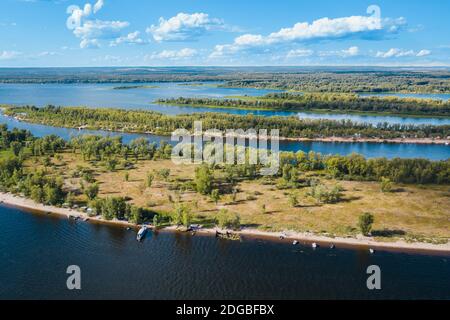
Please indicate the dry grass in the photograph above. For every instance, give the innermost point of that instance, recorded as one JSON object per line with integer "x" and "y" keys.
{"x": 411, "y": 211}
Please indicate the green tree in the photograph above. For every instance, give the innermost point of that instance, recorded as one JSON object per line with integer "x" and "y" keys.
{"x": 16, "y": 147}
{"x": 155, "y": 221}
{"x": 91, "y": 191}
{"x": 136, "y": 215}
{"x": 293, "y": 200}
{"x": 365, "y": 223}
{"x": 186, "y": 217}
{"x": 215, "y": 196}
{"x": 227, "y": 220}
{"x": 203, "y": 180}
{"x": 386, "y": 185}
{"x": 37, "y": 194}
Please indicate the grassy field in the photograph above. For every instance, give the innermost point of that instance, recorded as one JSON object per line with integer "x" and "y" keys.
{"x": 411, "y": 212}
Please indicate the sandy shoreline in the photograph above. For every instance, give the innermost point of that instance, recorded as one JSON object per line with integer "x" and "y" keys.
{"x": 400, "y": 245}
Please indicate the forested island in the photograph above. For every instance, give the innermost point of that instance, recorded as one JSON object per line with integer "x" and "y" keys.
{"x": 336, "y": 102}
{"x": 136, "y": 182}
{"x": 157, "y": 123}
{"x": 304, "y": 79}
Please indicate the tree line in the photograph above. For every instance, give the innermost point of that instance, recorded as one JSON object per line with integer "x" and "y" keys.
{"x": 342, "y": 102}
{"x": 157, "y": 123}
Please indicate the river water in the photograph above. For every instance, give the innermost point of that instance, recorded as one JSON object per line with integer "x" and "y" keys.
{"x": 36, "y": 250}
{"x": 104, "y": 95}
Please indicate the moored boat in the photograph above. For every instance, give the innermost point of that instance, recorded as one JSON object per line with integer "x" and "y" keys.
{"x": 141, "y": 233}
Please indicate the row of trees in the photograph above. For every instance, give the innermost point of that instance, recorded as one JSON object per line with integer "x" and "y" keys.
{"x": 356, "y": 167}
{"x": 145, "y": 121}
{"x": 324, "y": 101}
{"x": 347, "y": 81}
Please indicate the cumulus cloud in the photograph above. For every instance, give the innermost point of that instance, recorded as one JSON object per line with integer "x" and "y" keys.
{"x": 90, "y": 31}
{"x": 184, "y": 27}
{"x": 423, "y": 53}
{"x": 364, "y": 27}
{"x": 399, "y": 53}
{"x": 345, "y": 53}
{"x": 174, "y": 54}
{"x": 131, "y": 38}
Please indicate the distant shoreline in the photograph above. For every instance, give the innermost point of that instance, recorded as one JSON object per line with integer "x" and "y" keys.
{"x": 311, "y": 111}
{"x": 359, "y": 242}
{"x": 297, "y": 139}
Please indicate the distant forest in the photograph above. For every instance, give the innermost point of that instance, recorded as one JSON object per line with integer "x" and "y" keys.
{"x": 345, "y": 102}
{"x": 305, "y": 79}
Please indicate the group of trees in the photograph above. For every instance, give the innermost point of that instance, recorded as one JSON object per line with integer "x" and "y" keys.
{"x": 343, "y": 102}
{"x": 147, "y": 121}
{"x": 117, "y": 208}
{"x": 356, "y": 167}
{"x": 348, "y": 81}
{"x": 110, "y": 149}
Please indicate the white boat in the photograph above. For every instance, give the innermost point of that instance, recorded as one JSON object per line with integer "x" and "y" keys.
{"x": 314, "y": 245}
{"x": 295, "y": 242}
{"x": 141, "y": 233}
{"x": 371, "y": 251}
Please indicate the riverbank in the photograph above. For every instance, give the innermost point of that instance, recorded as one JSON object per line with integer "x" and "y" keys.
{"x": 358, "y": 242}
{"x": 333, "y": 139}
{"x": 301, "y": 110}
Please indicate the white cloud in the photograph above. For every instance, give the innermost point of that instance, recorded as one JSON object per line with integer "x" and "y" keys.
{"x": 48, "y": 54}
{"x": 423, "y": 53}
{"x": 89, "y": 43}
{"x": 300, "y": 53}
{"x": 7, "y": 55}
{"x": 131, "y": 38}
{"x": 91, "y": 31}
{"x": 365, "y": 27}
{"x": 399, "y": 53}
{"x": 174, "y": 54}
{"x": 98, "y": 5}
{"x": 345, "y": 53}
{"x": 183, "y": 27}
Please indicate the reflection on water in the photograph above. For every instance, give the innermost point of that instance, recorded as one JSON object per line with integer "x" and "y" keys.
{"x": 370, "y": 150}
{"x": 103, "y": 95}
{"x": 37, "y": 248}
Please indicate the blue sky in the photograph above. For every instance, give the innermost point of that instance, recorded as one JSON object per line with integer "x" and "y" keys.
{"x": 215, "y": 32}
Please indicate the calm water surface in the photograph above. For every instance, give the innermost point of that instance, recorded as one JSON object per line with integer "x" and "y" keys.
{"x": 369, "y": 150}
{"x": 103, "y": 95}
{"x": 36, "y": 249}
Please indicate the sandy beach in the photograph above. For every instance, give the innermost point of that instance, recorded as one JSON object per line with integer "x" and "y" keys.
{"x": 400, "y": 245}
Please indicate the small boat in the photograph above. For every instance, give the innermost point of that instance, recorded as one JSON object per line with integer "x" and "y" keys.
{"x": 332, "y": 246}
{"x": 282, "y": 236}
{"x": 128, "y": 228}
{"x": 295, "y": 242}
{"x": 371, "y": 251}
{"x": 314, "y": 245}
{"x": 141, "y": 233}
